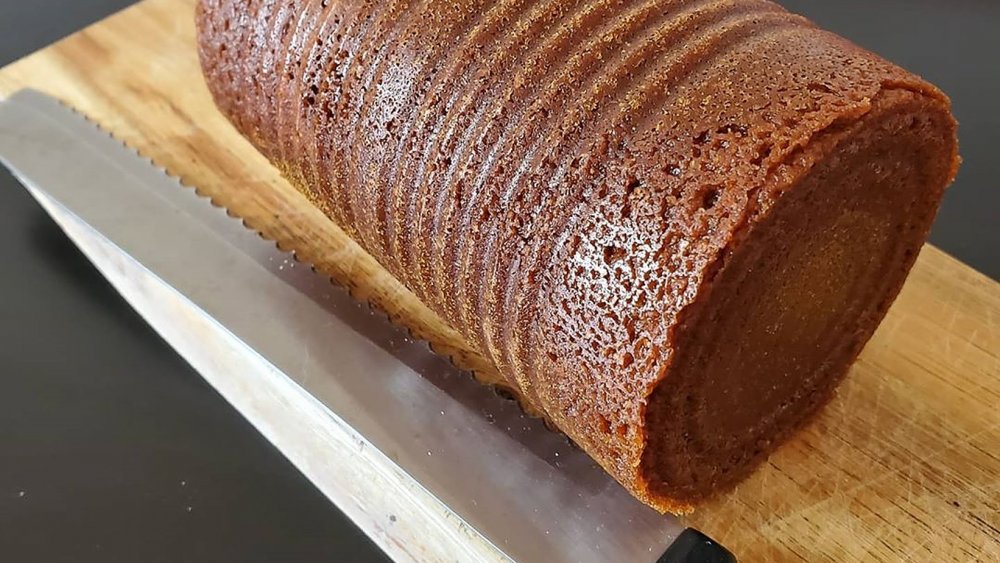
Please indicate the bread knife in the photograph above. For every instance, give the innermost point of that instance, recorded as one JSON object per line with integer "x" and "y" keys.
{"x": 427, "y": 462}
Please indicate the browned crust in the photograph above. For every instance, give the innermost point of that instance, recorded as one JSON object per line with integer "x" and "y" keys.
{"x": 560, "y": 181}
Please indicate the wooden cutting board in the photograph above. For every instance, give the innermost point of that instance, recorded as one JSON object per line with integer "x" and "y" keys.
{"x": 903, "y": 465}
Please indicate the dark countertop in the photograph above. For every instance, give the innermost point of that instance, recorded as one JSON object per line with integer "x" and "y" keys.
{"x": 113, "y": 449}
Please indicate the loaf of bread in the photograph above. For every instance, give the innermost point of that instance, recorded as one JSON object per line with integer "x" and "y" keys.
{"x": 671, "y": 224}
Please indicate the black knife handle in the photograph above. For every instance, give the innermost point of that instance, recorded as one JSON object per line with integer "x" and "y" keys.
{"x": 693, "y": 546}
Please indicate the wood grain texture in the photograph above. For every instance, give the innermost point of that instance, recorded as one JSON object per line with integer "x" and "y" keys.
{"x": 903, "y": 465}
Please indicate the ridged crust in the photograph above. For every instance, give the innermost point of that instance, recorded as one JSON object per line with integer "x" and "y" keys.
{"x": 561, "y": 180}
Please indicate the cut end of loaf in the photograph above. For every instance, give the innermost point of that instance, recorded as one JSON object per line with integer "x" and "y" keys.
{"x": 796, "y": 297}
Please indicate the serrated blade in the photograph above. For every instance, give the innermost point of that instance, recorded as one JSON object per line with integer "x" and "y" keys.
{"x": 426, "y": 461}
